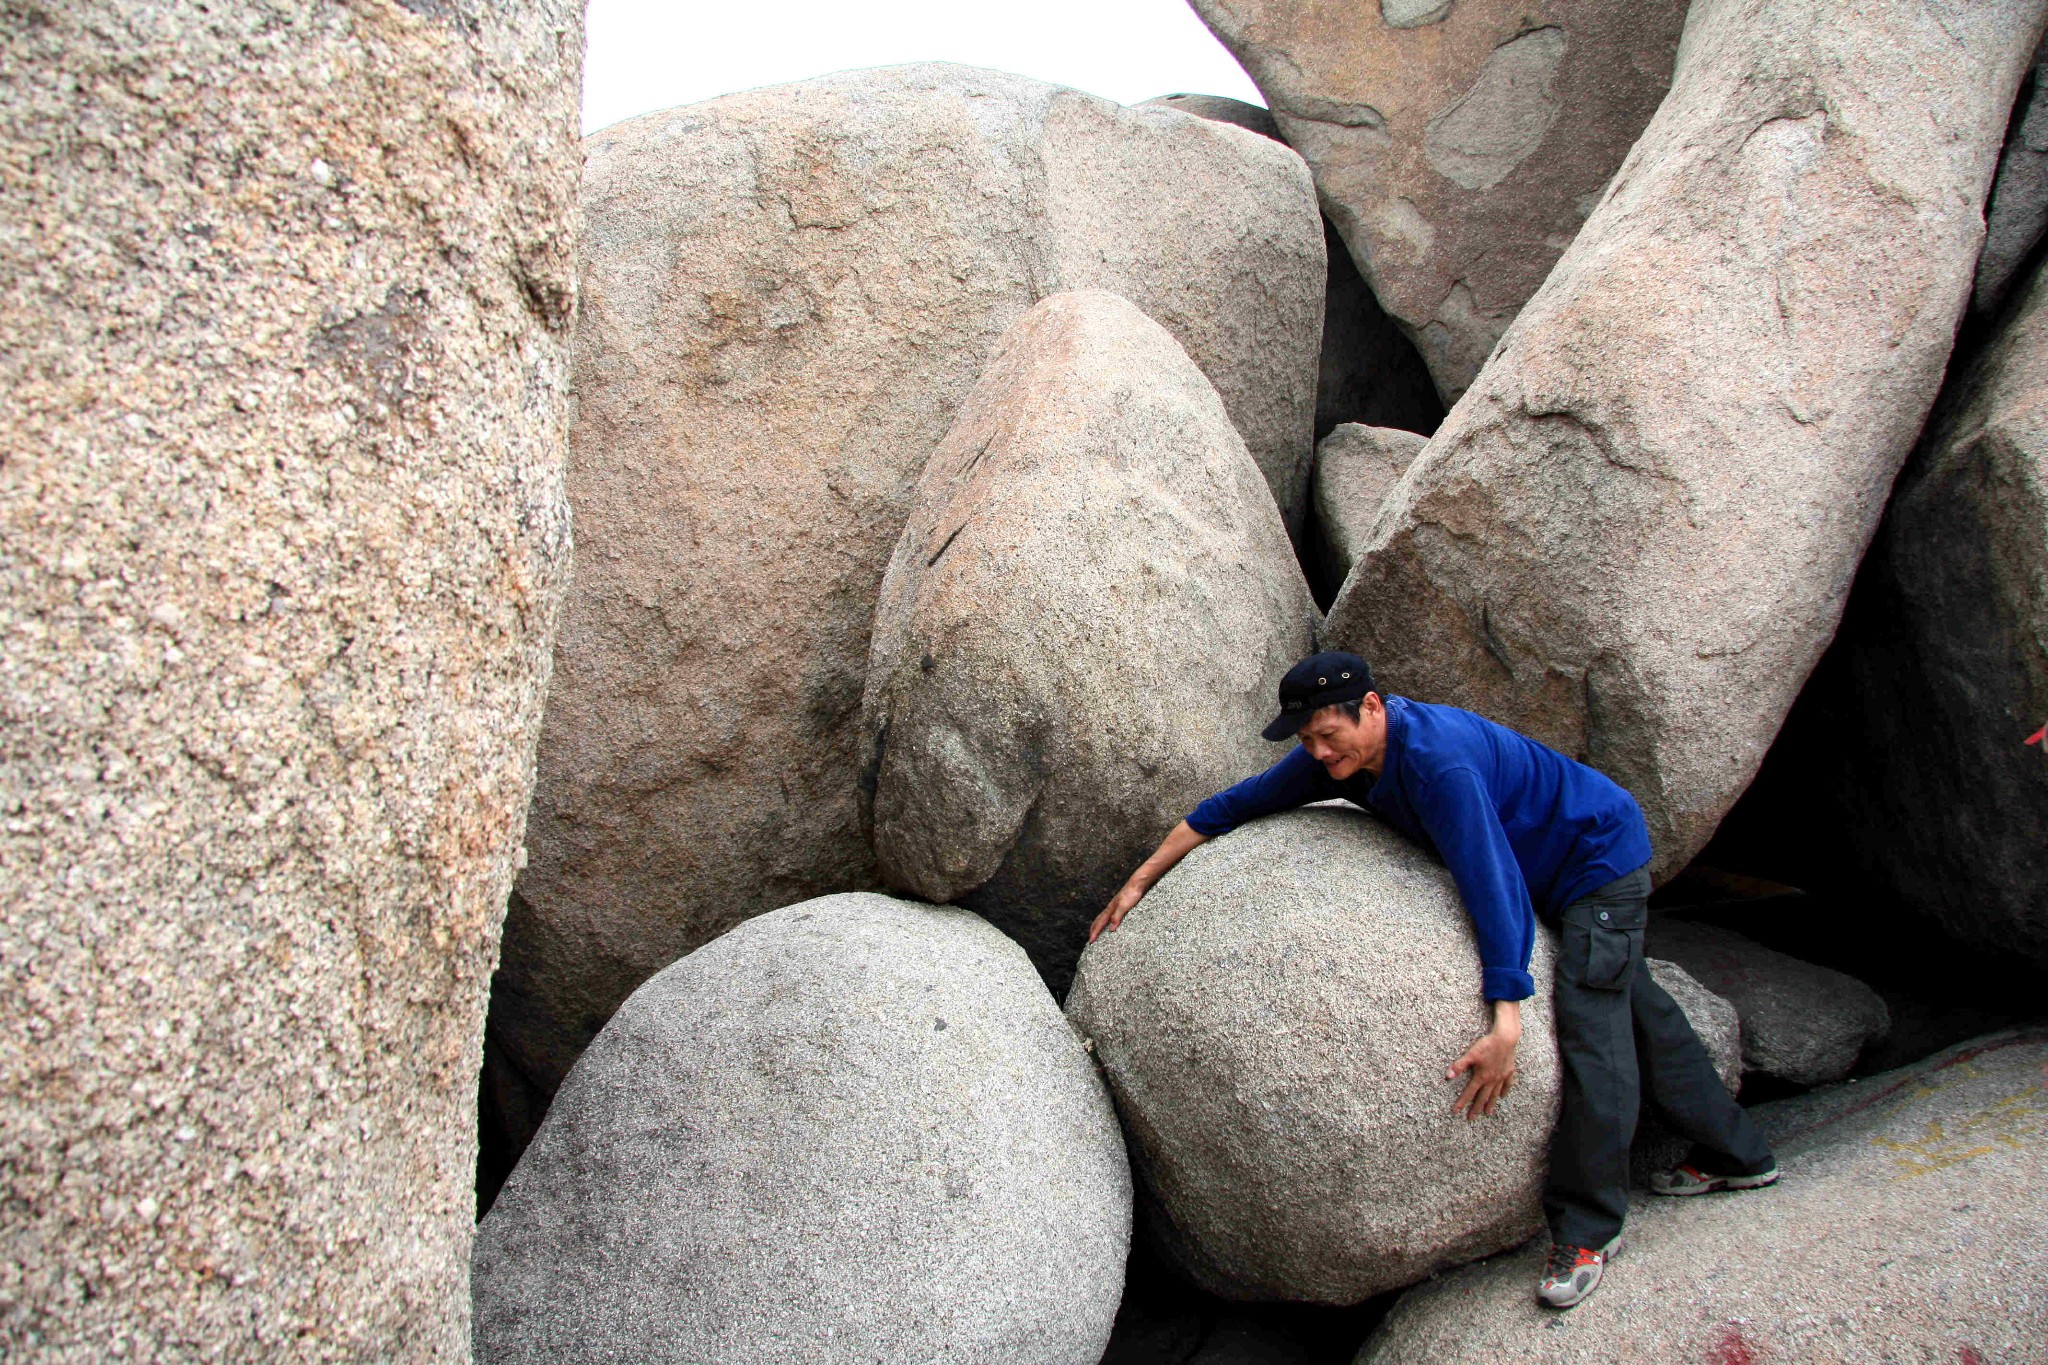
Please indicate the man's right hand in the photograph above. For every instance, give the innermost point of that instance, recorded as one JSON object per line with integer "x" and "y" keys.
{"x": 1172, "y": 850}
{"x": 1113, "y": 914}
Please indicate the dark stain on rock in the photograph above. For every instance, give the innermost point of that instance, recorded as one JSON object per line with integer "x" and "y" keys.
{"x": 384, "y": 352}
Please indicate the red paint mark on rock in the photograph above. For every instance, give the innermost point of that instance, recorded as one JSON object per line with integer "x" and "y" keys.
{"x": 1970, "y": 1355}
{"x": 1731, "y": 1348}
{"x": 2039, "y": 736}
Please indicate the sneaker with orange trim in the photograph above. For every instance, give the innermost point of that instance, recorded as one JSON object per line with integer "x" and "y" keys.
{"x": 1573, "y": 1273}
{"x": 1689, "y": 1179}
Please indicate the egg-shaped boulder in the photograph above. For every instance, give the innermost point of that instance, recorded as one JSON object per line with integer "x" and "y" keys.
{"x": 1275, "y": 1019}
{"x": 1081, "y": 630}
{"x": 852, "y": 1129}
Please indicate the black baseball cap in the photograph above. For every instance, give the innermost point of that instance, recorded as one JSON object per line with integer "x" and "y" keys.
{"x": 1319, "y": 680}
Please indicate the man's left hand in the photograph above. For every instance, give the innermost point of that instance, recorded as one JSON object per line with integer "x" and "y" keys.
{"x": 1488, "y": 1066}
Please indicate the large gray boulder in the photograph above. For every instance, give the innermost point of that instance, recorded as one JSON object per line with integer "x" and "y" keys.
{"x": 1800, "y": 1022}
{"x": 1275, "y": 1019}
{"x": 2017, "y": 213}
{"x": 854, "y": 1129}
{"x": 1356, "y": 467}
{"x": 1633, "y": 537}
{"x": 786, "y": 293}
{"x": 286, "y": 289}
{"x": 1457, "y": 147}
{"x": 1907, "y": 1227}
{"x": 1943, "y": 670}
{"x": 1081, "y": 631}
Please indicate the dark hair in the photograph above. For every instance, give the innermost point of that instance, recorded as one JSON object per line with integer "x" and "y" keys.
{"x": 1350, "y": 708}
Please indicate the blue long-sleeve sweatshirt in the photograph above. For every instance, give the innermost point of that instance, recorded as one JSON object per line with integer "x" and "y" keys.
{"x": 1519, "y": 825}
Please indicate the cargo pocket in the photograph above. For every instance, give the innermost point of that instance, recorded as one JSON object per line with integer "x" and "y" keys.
{"x": 1612, "y": 946}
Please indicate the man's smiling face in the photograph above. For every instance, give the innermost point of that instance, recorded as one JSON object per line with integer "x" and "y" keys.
{"x": 1346, "y": 747}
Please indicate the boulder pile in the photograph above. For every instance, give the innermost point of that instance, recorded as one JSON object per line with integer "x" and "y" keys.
{"x": 786, "y": 294}
{"x": 944, "y": 470}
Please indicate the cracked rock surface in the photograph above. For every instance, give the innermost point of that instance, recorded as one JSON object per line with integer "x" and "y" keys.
{"x": 1457, "y": 144}
{"x": 286, "y": 289}
{"x": 1633, "y": 537}
{"x": 1081, "y": 631}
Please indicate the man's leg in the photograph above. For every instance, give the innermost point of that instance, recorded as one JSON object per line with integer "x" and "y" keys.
{"x": 1600, "y": 956}
{"x": 1682, "y": 1081}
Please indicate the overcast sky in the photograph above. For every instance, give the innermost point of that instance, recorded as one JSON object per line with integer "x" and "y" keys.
{"x": 655, "y": 54}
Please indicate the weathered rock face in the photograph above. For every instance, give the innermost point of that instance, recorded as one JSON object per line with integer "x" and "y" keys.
{"x": 1944, "y": 661}
{"x": 1261, "y": 1030}
{"x": 2018, "y": 212}
{"x": 1634, "y": 536}
{"x": 282, "y": 543}
{"x": 1092, "y": 512}
{"x": 1356, "y": 467}
{"x": 1907, "y": 1227}
{"x": 787, "y": 293}
{"x": 855, "y": 1125}
{"x": 1800, "y": 1022}
{"x": 1458, "y": 147}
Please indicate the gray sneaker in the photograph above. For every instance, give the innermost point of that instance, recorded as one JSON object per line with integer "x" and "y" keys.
{"x": 1573, "y": 1273}
{"x": 1683, "y": 1180}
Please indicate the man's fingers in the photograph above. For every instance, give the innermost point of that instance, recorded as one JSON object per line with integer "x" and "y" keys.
{"x": 1465, "y": 1101}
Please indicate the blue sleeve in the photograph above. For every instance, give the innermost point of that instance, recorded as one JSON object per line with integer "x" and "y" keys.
{"x": 1294, "y": 781}
{"x": 1461, "y": 821}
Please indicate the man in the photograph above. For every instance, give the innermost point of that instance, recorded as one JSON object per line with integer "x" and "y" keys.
{"x": 1523, "y": 830}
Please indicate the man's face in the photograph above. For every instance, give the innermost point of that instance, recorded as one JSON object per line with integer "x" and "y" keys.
{"x": 1345, "y": 746}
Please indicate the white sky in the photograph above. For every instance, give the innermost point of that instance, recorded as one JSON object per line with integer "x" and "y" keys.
{"x": 655, "y": 54}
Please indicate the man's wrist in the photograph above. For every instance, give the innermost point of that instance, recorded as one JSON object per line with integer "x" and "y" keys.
{"x": 1507, "y": 1019}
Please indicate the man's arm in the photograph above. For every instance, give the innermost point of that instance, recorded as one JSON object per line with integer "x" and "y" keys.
{"x": 1176, "y": 846}
{"x": 1294, "y": 781}
{"x": 1458, "y": 813}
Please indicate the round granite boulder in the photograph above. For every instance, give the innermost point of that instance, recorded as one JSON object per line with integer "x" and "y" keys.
{"x": 1275, "y": 1019}
{"x": 853, "y": 1129}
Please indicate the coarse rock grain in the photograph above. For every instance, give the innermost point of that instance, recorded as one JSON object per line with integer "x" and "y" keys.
{"x": 1457, "y": 147}
{"x": 1800, "y": 1022}
{"x": 286, "y": 290}
{"x": 854, "y": 1129}
{"x": 786, "y": 294}
{"x": 1082, "y": 629}
{"x": 1275, "y": 1019}
{"x": 1633, "y": 538}
{"x": 1907, "y": 1226}
{"x": 2017, "y": 214}
{"x": 1356, "y": 467}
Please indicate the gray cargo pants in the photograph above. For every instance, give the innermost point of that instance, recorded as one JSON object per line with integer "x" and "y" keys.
{"x": 1619, "y": 1036}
